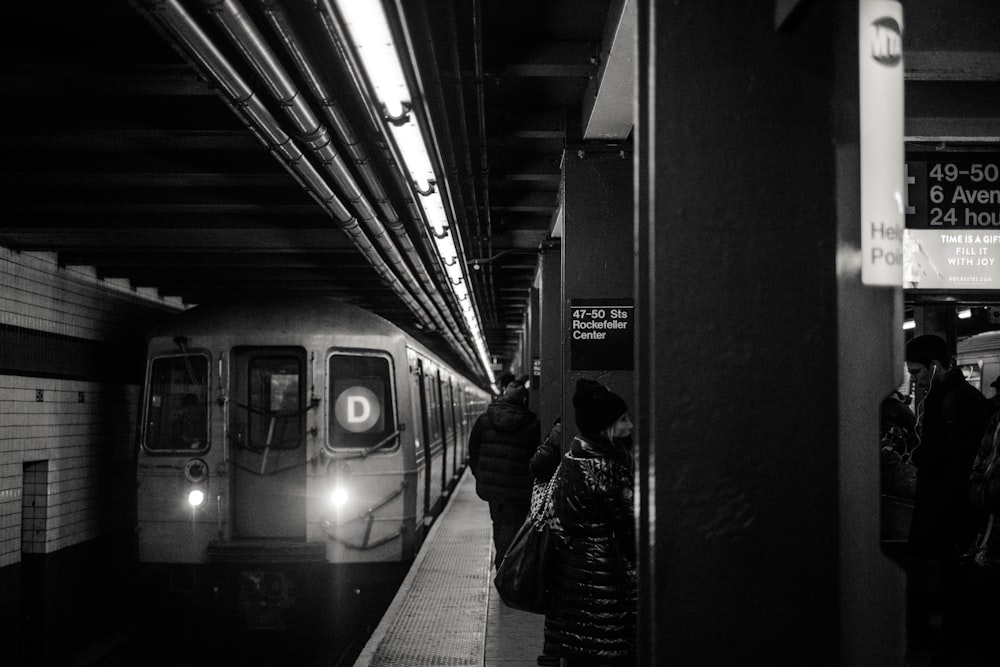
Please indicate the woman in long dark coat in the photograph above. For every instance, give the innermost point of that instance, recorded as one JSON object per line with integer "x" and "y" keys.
{"x": 592, "y": 592}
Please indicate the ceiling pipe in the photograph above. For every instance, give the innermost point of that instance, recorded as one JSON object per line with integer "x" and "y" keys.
{"x": 469, "y": 175}
{"x": 484, "y": 161}
{"x": 172, "y": 17}
{"x": 241, "y": 31}
{"x": 278, "y": 20}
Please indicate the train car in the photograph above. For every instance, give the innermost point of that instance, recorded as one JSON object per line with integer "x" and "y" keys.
{"x": 291, "y": 452}
{"x": 979, "y": 358}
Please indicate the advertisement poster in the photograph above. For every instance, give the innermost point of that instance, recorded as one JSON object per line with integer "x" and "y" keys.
{"x": 952, "y": 237}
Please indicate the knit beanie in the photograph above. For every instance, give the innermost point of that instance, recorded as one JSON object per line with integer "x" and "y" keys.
{"x": 515, "y": 392}
{"x": 596, "y": 407}
{"x": 927, "y": 348}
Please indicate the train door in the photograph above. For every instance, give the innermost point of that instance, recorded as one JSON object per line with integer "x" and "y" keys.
{"x": 267, "y": 434}
{"x": 436, "y": 431}
{"x": 442, "y": 386}
{"x": 425, "y": 440}
{"x": 452, "y": 428}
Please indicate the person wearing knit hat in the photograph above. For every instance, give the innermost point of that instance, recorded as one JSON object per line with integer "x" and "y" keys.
{"x": 951, "y": 419}
{"x": 591, "y": 618}
{"x": 596, "y": 407}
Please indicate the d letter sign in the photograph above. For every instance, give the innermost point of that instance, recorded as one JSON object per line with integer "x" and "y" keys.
{"x": 883, "y": 176}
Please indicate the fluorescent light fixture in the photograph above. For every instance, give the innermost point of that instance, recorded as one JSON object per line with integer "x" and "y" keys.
{"x": 964, "y": 314}
{"x": 909, "y": 324}
{"x": 366, "y": 22}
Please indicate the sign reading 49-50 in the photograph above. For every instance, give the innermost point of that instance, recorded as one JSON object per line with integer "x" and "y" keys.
{"x": 953, "y": 224}
{"x": 601, "y": 333}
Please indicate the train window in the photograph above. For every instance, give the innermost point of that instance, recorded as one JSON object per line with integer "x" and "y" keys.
{"x": 177, "y": 404}
{"x": 361, "y": 413}
{"x": 274, "y": 396}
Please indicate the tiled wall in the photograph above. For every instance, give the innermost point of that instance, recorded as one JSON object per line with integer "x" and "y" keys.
{"x": 75, "y": 436}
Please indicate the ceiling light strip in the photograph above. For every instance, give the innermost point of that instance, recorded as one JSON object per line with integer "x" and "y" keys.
{"x": 372, "y": 42}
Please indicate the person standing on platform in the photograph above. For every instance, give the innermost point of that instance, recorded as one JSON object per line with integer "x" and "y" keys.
{"x": 543, "y": 465}
{"x": 983, "y": 570}
{"x": 591, "y": 618}
{"x": 501, "y": 443}
{"x": 951, "y": 419}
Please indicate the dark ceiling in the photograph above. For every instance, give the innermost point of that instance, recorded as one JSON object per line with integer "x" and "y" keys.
{"x": 215, "y": 148}
{"x": 134, "y": 143}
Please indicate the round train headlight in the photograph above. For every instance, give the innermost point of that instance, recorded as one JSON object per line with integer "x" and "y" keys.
{"x": 339, "y": 497}
{"x": 196, "y": 497}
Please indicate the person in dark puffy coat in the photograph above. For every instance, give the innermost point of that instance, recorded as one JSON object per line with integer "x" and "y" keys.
{"x": 591, "y": 618}
{"x": 982, "y": 575}
{"x": 501, "y": 443}
{"x": 951, "y": 419}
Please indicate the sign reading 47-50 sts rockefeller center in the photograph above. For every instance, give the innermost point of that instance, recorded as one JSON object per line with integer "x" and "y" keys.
{"x": 601, "y": 334}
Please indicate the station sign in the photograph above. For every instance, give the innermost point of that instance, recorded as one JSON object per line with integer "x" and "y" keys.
{"x": 601, "y": 334}
{"x": 880, "y": 70}
{"x": 952, "y": 236}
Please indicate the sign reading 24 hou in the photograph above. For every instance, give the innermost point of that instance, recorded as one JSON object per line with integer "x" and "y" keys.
{"x": 601, "y": 334}
{"x": 880, "y": 70}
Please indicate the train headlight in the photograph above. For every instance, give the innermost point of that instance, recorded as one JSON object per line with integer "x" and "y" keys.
{"x": 196, "y": 472}
{"x": 196, "y": 497}
{"x": 339, "y": 497}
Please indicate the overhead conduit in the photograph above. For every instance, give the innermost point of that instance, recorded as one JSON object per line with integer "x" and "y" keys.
{"x": 235, "y": 23}
{"x": 175, "y": 19}
{"x": 278, "y": 19}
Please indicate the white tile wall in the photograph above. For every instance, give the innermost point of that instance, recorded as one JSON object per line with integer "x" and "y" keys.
{"x": 86, "y": 447}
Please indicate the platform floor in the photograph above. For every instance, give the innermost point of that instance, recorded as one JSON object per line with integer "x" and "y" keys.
{"x": 447, "y": 611}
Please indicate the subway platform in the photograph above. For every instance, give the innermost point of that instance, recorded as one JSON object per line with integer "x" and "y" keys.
{"x": 447, "y": 611}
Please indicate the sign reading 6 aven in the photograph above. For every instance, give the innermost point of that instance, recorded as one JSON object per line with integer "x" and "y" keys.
{"x": 952, "y": 235}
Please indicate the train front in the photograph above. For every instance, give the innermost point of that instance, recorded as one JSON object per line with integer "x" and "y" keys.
{"x": 271, "y": 479}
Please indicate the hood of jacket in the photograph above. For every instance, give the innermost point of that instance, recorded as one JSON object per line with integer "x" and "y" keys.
{"x": 505, "y": 416}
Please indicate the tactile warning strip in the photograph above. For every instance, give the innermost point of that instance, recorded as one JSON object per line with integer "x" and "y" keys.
{"x": 439, "y": 615}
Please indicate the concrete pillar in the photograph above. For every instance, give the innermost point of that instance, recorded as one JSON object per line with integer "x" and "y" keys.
{"x": 597, "y": 279}
{"x": 761, "y": 359}
{"x": 534, "y": 333}
{"x": 550, "y": 381}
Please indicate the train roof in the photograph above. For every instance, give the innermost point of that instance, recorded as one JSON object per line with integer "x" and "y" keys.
{"x": 290, "y": 315}
{"x": 276, "y": 314}
{"x": 988, "y": 341}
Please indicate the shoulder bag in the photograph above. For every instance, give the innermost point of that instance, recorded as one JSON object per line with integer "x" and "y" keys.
{"x": 521, "y": 578}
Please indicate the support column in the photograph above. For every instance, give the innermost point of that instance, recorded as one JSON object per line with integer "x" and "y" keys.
{"x": 550, "y": 382}
{"x": 761, "y": 359}
{"x": 598, "y": 312}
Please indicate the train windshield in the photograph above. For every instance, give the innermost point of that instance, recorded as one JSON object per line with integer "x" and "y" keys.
{"x": 361, "y": 413}
{"x": 275, "y": 402}
{"x": 177, "y": 405}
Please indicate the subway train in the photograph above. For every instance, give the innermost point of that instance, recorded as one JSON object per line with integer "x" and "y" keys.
{"x": 979, "y": 358}
{"x": 291, "y": 452}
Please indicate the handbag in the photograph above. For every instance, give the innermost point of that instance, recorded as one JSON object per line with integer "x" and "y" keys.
{"x": 521, "y": 577}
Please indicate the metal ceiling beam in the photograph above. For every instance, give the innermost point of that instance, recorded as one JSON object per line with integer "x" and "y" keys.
{"x": 610, "y": 100}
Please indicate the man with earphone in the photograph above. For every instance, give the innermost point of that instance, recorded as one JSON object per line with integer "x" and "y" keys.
{"x": 951, "y": 418}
